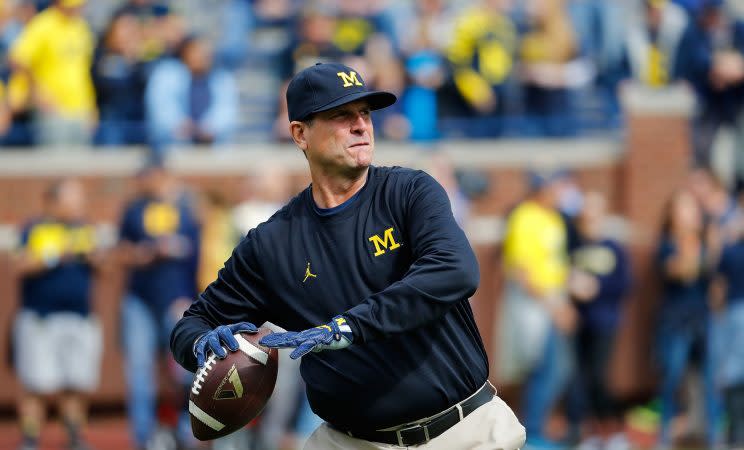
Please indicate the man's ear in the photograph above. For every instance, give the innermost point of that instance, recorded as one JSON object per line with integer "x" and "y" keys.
{"x": 298, "y": 132}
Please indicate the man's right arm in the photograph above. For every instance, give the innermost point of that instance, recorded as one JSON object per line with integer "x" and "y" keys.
{"x": 239, "y": 294}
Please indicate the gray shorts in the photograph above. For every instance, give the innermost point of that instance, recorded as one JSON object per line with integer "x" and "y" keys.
{"x": 59, "y": 351}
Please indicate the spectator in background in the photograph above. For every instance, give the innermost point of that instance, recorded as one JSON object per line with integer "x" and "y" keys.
{"x": 19, "y": 130}
{"x": 53, "y": 55}
{"x": 381, "y": 69}
{"x": 238, "y": 21}
{"x": 653, "y": 42}
{"x": 730, "y": 373}
{"x": 312, "y": 43}
{"x": 683, "y": 323}
{"x": 275, "y": 23}
{"x": 442, "y": 168}
{"x": 599, "y": 281}
{"x": 57, "y": 339}
{"x": 159, "y": 245}
{"x": 188, "y": 100}
{"x": 537, "y": 318}
{"x": 358, "y": 22}
{"x": 719, "y": 206}
{"x": 546, "y": 51}
{"x": 711, "y": 57}
{"x": 161, "y": 30}
{"x": 481, "y": 54}
{"x": 600, "y": 28}
{"x": 427, "y": 33}
{"x": 6, "y": 115}
{"x": 260, "y": 197}
{"x": 119, "y": 78}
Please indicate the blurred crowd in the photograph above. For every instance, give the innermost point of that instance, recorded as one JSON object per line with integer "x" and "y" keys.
{"x": 171, "y": 242}
{"x": 567, "y": 277}
{"x": 567, "y": 281}
{"x": 159, "y": 73}
{"x": 164, "y": 74}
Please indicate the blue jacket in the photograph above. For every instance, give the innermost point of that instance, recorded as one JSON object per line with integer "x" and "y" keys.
{"x": 167, "y": 102}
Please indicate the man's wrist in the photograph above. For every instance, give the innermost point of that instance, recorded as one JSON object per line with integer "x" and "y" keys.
{"x": 193, "y": 346}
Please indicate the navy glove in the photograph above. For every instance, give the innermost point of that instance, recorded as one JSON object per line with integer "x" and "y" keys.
{"x": 334, "y": 335}
{"x": 213, "y": 340}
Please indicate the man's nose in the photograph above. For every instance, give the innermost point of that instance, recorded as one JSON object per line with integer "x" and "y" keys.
{"x": 359, "y": 124}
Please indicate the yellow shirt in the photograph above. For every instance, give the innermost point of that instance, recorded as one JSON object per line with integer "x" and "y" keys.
{"x": 535, "y": 243}
{"x": 484, "y": 42}
{"x": 58, "y": 51}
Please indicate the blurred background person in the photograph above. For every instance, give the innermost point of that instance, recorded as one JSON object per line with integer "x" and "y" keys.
{"x": 57, "y": 338}
{"x": 311, "y": 42}
{"x": 730, "y": 303}
{"x": 442, "y": 168}
{"x": 159, "y": 245}
{"x": 52, "y": 56}
{"x": 190, "y": 101}
{"x": 423, "y": 50}
{"x": 119, "y": 79}
{"x": 711, "y": 58}
{"x": 538, "y": 320}
{"x": 482, "y": 56}
{"x": 545, "y": 53}
{"x": 162, "y": 30}
{"x": 652, "y": 43}
{"x": 260, "y": 196}
{"x": 381, "y": 70}
{"x": 20, "y": 132}
{"x": 598, "y": 284}
{"x": 683, "y": 323}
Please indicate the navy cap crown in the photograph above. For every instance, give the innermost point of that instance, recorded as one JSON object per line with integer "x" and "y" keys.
{"x": 327, "y": 85}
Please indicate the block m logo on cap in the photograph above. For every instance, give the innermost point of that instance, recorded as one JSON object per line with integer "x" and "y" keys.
{"x": 349, "y": 79}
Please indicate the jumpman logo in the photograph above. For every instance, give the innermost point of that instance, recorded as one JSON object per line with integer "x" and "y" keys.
{"x": 308, "y": 274}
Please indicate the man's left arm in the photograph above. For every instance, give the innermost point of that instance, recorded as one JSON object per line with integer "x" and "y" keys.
{"x": 444, "y": 272}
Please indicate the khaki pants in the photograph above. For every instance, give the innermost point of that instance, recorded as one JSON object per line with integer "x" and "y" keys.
{"x": 493, "y": 426}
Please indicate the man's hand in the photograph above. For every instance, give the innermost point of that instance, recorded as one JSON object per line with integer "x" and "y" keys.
{"x": 335, "y": 335}
{"x": 222, "y": 334}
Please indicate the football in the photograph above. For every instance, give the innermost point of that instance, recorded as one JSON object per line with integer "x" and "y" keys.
{"x": 228, "y": 393}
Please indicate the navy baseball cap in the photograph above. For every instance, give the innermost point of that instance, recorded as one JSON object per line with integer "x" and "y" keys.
{"x": 327, "y": 85}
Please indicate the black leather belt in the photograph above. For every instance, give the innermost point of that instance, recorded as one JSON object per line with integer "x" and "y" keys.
{"x": 416, "y": 433}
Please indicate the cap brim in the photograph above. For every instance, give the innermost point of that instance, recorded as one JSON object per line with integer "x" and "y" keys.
{"x": 376, "y": 100}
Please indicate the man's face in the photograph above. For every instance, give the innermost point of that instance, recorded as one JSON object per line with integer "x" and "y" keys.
{"x": 341, "y": 139}
{"x": 69, "y": 203}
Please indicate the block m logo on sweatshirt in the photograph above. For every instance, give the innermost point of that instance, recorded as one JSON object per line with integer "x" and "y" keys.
{"x": 386, "y": 242}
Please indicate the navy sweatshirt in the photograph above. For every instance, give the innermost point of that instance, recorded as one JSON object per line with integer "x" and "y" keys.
{"x": 392, "y": 261}
{"x": 607, "y": 261}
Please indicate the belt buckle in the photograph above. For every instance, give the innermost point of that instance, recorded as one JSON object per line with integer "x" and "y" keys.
{"x": 399, "y": 435}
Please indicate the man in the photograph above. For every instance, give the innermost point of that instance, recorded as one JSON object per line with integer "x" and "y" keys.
{"x": 538, "y": 318}
{"x": 376, "y": 253}
{"x": 159, "y": 244}
{"x": 53, "y": 55}
{"x": 711, "y": 59}
{"x": 55, "y": 266}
